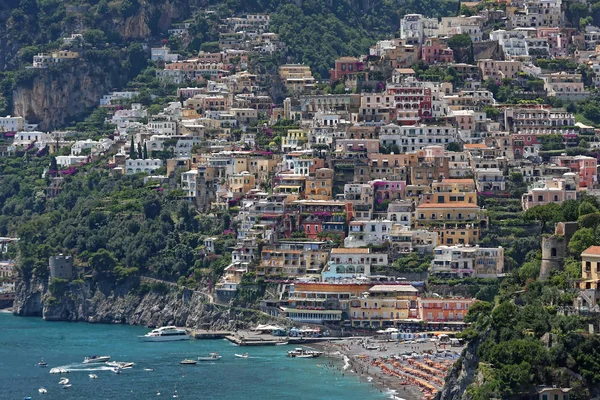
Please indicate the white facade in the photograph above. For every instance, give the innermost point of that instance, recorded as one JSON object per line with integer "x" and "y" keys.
{"x": 415, "y": 28}
{"x": 12, "y": 124}
{"x": 415, "y": 137}
{"x": 163, "y": 127}
{"x": 463, "y": 261}
{"x": 363, "y": 233}
{"x": 107, "y": 99}
{"x": 139, "y": 165}
{"x": 67, "y": 161}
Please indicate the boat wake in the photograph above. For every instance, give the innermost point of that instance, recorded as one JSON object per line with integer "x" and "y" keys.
{"x": 80, "y": 368}
{"x": 392, "y": 394}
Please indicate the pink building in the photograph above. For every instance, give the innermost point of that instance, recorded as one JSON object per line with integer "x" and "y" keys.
{"x": 585, "y": 167}
{"x": 557, "y": 41}
{"x": 555, "y": 190}
{"x": 434, "y": 52}
{"x": 388, "y": 190}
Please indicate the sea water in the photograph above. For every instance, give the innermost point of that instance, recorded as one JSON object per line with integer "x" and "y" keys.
{"x": 266, "y": 374}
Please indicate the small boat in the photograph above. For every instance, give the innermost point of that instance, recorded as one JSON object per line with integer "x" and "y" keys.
{"x": 27, "y": 398}
{"x": 42, "y": 391}
{"x": 211, "y": 357}
{"x": 64, "y": 381}
{"x": 299, "y": 352}
{"x": 93, "y": 376}
{"x": 188, "y": 362}
{"x": 67, "y": 386}
{"x": 149, "y": 369}
{"x": 281, "y": 343}
{"x": 245, "y": 355}
{"x": 122, "y": 365}
{"x": 96, "y": 359}
{"x": 58, "y": 370}
{"x": 42, "y": 363}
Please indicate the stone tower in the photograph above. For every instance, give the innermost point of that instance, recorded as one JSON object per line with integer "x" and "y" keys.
{"x": 554, "y": 247}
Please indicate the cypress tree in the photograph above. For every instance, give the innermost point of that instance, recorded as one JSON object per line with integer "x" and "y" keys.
{"x": 140, "y": 154}
{"x": 132, "y": 150}
{"x": 145, "y": 151}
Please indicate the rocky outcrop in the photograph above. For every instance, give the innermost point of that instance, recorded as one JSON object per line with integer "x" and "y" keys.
{"x": 124, "y": 304}
{"x": 153, "y": 18}
{"x": 463, "y": 373}
{"x": 53, "y": 97}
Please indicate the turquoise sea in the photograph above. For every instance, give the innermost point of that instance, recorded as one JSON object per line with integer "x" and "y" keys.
{"x": 267, "y": 374}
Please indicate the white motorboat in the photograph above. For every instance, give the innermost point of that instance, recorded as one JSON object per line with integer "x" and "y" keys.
{"x": 245, "y": 355}
{"x": 96, "y": 359}
{"x": 93, "y": 376}
{"x": 120, "y": 364}
{"x": 188, "y": 362}
{"x": 211, "y": 357}
{"x": 165, "y": 334}
{"x": 299, "y": 352}
{"x": 42, "y": 391}
{"x": 64, "y": 381}
{"x": 58, "y": 370}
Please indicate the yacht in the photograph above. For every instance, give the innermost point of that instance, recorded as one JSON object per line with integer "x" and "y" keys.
{"x": 96, "y": 359}
{"x": 165, "y": 334}
{"x": 211, "y": 357}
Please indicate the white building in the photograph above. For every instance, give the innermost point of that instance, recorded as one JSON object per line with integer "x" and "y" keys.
{"x": 12, "y": 124}
{"x": 415, "y": 137}
{"x": 139, "y": 165}
{"x": 464, "y": 261}
{"x": 165, "y": 126}
{"x": 350, "y": 263}
{"x": 415, "y": 28}
{"x": 67, "y": 161}
{"x": 108, "y": 99}
{"x": 363, "y": 233}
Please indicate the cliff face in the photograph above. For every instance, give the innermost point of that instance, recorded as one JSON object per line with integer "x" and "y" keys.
{"x": 463, "y": 373}
{"x": 107, "y": 304}
{"x": 153, "y": 18}
{"x": 54, "y": 97}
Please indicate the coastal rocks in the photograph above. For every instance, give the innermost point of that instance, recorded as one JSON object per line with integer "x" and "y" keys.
{"x": 462, "y": 374}
{"x": 28, "y": 298}
{"x": 124, "y": 304}
{"x": 152, "y": 18}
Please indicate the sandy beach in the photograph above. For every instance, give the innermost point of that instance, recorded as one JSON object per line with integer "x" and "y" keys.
{"x": 408, "y": 371}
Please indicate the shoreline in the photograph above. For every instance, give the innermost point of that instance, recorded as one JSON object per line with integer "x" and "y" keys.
{"x": 409, "y": 378}
{"x": 366, "y": 373}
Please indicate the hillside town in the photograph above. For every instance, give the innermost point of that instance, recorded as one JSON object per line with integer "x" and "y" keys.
{"x": 331, "y": 188}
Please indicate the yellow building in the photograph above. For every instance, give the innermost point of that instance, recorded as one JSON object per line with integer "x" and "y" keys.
{"x": 590, "y": 268}
{"x": 451, "y": 191}
{"x": 242, "y": 183}
{"x": 319, "y": 185}
{"x": 292, "y": 261}
{"x": 296, "y": 77}
{"x": 294, "y": 140}
{"x": 455, "y": 223}
{"x": 384, "y": 306}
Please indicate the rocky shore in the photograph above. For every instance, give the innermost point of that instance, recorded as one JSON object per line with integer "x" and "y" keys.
{"x": 127, "y": 304}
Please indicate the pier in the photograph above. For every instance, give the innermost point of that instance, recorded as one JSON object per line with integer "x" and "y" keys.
{"x": 204, "y": 334}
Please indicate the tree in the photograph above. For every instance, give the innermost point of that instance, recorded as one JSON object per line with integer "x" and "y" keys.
{"x": 581, "y": 240}
{"x": 544, "y": 214}
{"x": 145, "y": 151}
{"x": 586, "y": 208}
{"x": 453, "y": 146}
{"x": 95, "y": 37}
{"x": 103, "y": 261}
{"x": 53, "y": 164}
{"x": 139, "y": 150}
{"x": 132, "y": 154}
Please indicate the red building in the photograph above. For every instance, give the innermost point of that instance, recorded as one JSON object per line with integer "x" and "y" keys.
{"x": 434, "y": 52}
{"x": 344, "y": 67}
{"x": 410, "y": 98}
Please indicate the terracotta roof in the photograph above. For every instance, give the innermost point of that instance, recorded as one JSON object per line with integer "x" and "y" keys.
{"x": 591, "y": 251}
{"x": 457, "y": 180}
{"x": 350, "y": 251}
{"x": 448, "y": 205}
{"x": 475, "y": 146}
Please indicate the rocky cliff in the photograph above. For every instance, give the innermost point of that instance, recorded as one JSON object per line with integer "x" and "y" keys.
{"x": 463, "y": 373}
{"x": 124, "y": 304}
{"x": 53, "y": 97}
